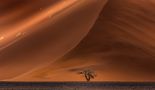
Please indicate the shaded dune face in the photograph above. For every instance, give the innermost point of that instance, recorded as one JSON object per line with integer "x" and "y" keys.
{"x": 34, "y": 33}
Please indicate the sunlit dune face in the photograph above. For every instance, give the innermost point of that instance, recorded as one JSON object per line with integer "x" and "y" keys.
{"x": 35, "y": 33}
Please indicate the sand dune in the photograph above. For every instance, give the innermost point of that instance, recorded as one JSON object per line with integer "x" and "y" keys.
{"x": 119, "y": 47}
{"x": 38, "y": 32}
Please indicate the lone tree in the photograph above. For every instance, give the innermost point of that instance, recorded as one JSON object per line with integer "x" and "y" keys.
{"x": 88, "y": 74}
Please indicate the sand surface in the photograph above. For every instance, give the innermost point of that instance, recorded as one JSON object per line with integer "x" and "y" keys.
{"x": 119, "y": 46}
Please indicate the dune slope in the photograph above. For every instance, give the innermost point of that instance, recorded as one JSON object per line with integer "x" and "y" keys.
{"x": 119, "y": 47}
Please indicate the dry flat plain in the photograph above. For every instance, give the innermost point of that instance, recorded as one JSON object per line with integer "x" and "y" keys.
{"x": 76, "y": 86}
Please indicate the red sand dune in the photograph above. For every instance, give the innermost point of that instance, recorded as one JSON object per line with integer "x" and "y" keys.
{"x": 35, "y": 33}
{"x": 119, "y": 46}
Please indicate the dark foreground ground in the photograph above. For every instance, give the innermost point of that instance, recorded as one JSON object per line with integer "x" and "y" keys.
{"x": 76, "y": 86}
